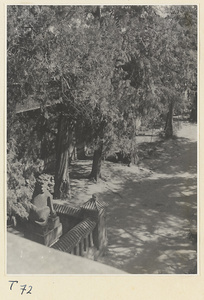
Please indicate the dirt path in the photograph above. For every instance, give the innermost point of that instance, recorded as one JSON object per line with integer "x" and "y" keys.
{"x": 152, "y": 212}
{"x": 152, "y": 224}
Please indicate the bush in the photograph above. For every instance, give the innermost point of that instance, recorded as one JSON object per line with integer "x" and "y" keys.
{"x": 19, "y": 192}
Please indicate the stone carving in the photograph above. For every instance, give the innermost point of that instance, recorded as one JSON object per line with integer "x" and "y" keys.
{"x": 42, "y": 202}
{"x": 44, "y": 225}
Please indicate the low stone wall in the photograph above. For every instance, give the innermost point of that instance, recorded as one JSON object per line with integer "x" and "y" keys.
{"x": 27, "y": 257}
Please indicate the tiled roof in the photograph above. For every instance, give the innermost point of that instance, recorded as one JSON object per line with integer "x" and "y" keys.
{"x": 68, "y": 241}
{"x": 67, "y": 210}
{"x": 94, "y": 204}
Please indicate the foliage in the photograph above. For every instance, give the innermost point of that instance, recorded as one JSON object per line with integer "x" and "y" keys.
{"x": 108, "y": 69}
{"x": 19, "y": 193}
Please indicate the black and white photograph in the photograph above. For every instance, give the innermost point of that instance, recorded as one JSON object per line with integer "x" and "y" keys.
{"x": 102, "y": 136}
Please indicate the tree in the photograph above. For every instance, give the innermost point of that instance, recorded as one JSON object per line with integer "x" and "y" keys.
{"x": 80, "y": 64}
{"x": 59, "y": 56}
{"x": 62, "y": 182}
{"x": 161, "y": 58}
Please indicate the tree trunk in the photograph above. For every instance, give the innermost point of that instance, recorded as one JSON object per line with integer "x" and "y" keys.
{"x": 134, "y": 156}
{"x": 96, "y": 166}
{"x": 71, "y": 146}
{"x": 81, "y": 151}
{"x": 193, "y": 113}
{"x": 62, "y": 181}
{"x": 169, "y": 122}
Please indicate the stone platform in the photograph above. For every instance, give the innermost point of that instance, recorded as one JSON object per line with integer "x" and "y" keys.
{"x": 46, "y": 234}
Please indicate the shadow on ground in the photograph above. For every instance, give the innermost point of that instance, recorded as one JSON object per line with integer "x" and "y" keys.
{"x": 152, "y": 208}
{"x": 151, "y": 232}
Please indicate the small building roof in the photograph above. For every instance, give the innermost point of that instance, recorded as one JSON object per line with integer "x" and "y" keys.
{"x": 94, "y": 204}
{"x": 68, "y": 241}
{"x": 67, "y": 210}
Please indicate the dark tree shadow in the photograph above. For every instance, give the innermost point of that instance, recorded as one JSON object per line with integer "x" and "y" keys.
{"x": 152, "y": 209}
{"x": 152, "y": 225}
